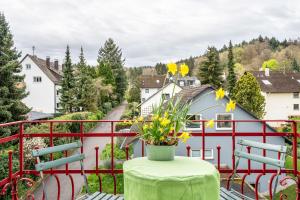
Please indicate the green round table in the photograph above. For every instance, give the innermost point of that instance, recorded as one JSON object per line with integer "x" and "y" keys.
{"x": 184, "y": 178}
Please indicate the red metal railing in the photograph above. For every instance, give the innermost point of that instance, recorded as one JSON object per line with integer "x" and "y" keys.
{"x": 15, "y": 176}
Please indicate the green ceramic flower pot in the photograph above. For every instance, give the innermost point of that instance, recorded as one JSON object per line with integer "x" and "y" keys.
{"x": 160, "y": 153}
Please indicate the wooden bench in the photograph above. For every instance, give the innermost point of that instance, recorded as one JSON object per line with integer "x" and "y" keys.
{"x": 40, "y": 166}
{"x": 232, "y": 194}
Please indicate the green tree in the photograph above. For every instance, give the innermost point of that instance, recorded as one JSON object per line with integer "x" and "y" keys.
{"x": 295, "y": 66}
{"x": 104, "y": 70}
{"x": 248, "y": 94}
{"x": 85, "y": 91}
{"x": 231, "y": 78}
{"x": 161, "y": 68}
{"x": 272, "y": 64}
{"x": 111, "y": 54}
{"x": 12, "y": 87}
{"x": 274, "y": 43}
{"x": 67, "y": 91}
{"x": 210, "y": 71}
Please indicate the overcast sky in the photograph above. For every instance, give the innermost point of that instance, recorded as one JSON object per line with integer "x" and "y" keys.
{"x": 147, "y": 31}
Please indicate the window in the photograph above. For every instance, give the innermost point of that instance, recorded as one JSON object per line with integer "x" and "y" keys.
{"x": 209, "y": 153}
{"x": 57, "y": 92}
{"x": 57, "y": 105}
{"x": 193, "y": 125}
{"x": 296, "y": 95}
{"x": 266, "y": 82}
{"x": 37, "y": 79}
{"x": 28, "y": 66}
{"x": 143, "y": 99}
{"x": 224, "y": 125}
{"x": 296, "y": 106}
{"x": 181, "y": 83}
{"x": 166, "y": 96}
{"x": 147, "y": 90}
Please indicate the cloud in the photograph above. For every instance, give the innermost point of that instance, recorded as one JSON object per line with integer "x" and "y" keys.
{"x": 147, "y": 31}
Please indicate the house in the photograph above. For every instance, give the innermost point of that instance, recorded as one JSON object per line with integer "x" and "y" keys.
{"x": 205, "y": 107}
{"x": 166, "y": 92}
{"x": 188, "y": 81}
{"x": 281, "y": 92}
{"x": 150, "y": 84}
{"x": 42, "y": 79}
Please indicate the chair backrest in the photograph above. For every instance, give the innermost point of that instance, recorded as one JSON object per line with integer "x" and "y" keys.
{"x": 278, "y": 163}
{"x": 40, "y": 166}
{"x": 259, "y": 158}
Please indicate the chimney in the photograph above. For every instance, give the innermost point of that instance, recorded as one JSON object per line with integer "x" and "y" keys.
{"x": 48, "y": 61}
{"x": 56, "y": 64}
{"x": 267, "y": 71}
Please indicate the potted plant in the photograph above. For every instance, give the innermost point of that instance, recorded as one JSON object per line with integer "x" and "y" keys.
{"x": 162, "y": 131}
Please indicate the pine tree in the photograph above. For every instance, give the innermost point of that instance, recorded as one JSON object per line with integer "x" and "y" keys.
{"x": 231, "y": 78}
{"x": 161, "y": 68}
{"x": 68, "y": 98}
{"x": 248, "y": 94}
{"x": 295, "y": 66}
{"x": 111, "y": 54}
{"x": 210, "y": 71}
{"x": 12, "y": 87}
{"x": 85, "y": 91}
{"x": 104, "y": 70}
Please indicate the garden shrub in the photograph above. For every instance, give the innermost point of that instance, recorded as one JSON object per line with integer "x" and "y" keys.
{"x": 123, "y": 125}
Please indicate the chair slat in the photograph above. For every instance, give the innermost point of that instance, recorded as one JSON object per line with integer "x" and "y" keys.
{"x": 106, "y": 197}
{"x": 259, "y": 145}
{"x": 258, "y": 158}
{"x": 93, "y": 196}
{"x": 55, "y": 163}
{"x": 228, "y": 195}
{"x": 59, "y": 148}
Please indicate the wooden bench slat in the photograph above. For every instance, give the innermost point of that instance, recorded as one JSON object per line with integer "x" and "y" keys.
{"x": 258, "y": 158}
{"x": 59, "y": 148}
{"x": 100, "y": 196}
{"x": 55, "y": 163}
{"x": 93, "y": 196}
{"x": 106, "y": 197}
{"x": 229, "y": 195}
{"x": 260, "y": 145}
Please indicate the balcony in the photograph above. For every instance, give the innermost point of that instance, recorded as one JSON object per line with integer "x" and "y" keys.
{"x": 64, "y": 181}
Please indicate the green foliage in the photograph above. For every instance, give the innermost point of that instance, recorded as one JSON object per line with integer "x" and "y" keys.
{"x": 12, "y": 87}
{"x": 86, "y": 100}
{"x": 272, "y": 64}
{"x": 107, "y": 182}
{"x": 111, "y": 55}
{"x": 119, "y": 154}
{"x": 107, "y": 106}
{"x": 248, "y": 94}
{"x": 274, "y": 43}
{"x": 231, "y": 78}
{"x": 67, "y": 91}
{"x": 105, "y": 71}
{"x": 161, "y": 68}
{"x": 239, "y": 69}
{"x": 295, "y": 66}
{"x": 134, "y": 94}
{"x": 122, "y": 125}
{"x": 210, "y": 71}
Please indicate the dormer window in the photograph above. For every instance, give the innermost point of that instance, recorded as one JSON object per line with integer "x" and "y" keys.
{"x": 266, "y": 82}
{"x": 28, "y": 66}
{"x": 147, "y": 90}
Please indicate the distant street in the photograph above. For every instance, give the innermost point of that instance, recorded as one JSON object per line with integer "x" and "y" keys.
{"x": 89, "y": 162}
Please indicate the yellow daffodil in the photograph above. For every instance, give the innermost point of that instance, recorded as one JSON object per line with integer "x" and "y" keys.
{"x": 136, "y": 121}
{"x": 141, "y": 118}
{"x": 155, "y": 117}
{"x": 184, "y": 70}
{"x": 160, "y": 119}
{"x": 165, "y": 122}
{"x": 162, "y": 138}
{"x": 210, "y": 123}
{"x": 184, "y": 136}
{"x": 172, "y": 68}
{"x": 172, "y": 128}
{"x": 161, "y": 130}
{"x": 166, "y": 114}
{"x": 145, "y": 127}
{"x": 230, "y": 106}
{"x": 220, "y": 93}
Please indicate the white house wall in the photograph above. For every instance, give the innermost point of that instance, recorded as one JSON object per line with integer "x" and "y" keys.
{"x": 146, "y": 107}
{"x": 280, "y": 106}
{"x": 145, "y": 96}
{"x": 41, "y": 96}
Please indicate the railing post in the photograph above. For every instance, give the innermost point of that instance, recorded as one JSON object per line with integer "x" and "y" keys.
{"x": 97, "y": 159}
{"x": 112, "y": 147}
{"x": 188, "y": 150}
{"x": 203, "y": 140}
{"x": 219, "y": 162}
{"x": 10, "y": 176}
{"x": 127, "y": 153}
{"x": 264, "y": 141}
{"x": 249, "y": 161}
{"x": 21, "y": 152}
{"x": 233, "y": 145}
{"x": 51, "y": 143}
{"x": 295, "y": 144}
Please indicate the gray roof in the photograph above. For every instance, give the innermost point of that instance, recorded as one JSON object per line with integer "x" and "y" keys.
{"x": 54, "y": 75}
{"x": 280, "y": 82}
{"x": 33, "y": 115}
